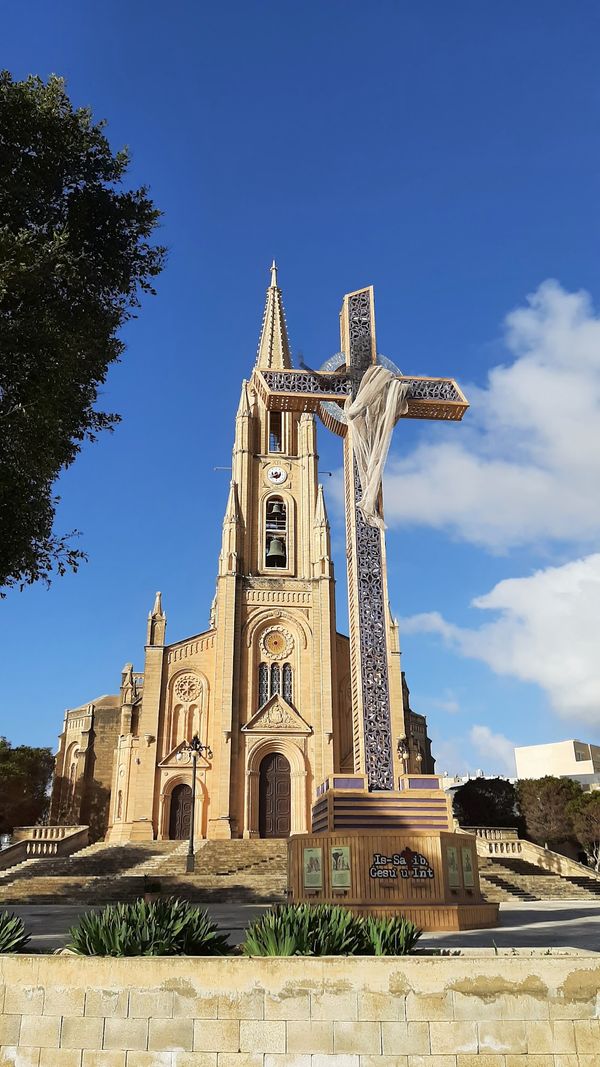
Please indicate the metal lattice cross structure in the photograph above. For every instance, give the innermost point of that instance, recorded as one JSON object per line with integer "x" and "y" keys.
{"x": 325, "y": 392}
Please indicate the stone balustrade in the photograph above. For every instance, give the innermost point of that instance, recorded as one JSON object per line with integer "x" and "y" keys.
{"x": 33, "y": 842}
{"x": 44, "y": 833}
{"x": 493, "y": 833}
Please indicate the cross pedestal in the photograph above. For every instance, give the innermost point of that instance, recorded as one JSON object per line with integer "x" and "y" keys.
{"x": 389, "y": 852}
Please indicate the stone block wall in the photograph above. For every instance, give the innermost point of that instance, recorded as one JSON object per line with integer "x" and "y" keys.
{"x": 467, "y": 1011}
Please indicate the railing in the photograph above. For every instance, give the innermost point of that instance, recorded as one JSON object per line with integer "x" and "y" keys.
{"x": 43, "y": 833}
{"x": 493, "y": 833}
{"x": 504, "y": 841}
{"x": 495, "y": 840}
{"x": 34, "y": 842}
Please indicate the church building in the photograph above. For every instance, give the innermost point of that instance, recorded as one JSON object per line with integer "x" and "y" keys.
{"x": 266, "y": 687}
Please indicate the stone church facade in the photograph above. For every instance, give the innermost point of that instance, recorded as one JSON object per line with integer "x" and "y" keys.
{"x": 266, "y": 687}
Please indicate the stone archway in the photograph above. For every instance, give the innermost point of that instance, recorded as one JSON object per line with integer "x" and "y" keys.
{"x": 274, "y": 796}
{"x": 291, "y": 750}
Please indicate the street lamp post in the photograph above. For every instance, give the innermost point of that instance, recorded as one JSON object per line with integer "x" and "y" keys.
{"x": 404, "y": 753}
{"x": 194, "y": 748}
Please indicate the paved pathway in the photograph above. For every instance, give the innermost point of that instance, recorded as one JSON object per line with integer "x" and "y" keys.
{"x": 541, "y": 924}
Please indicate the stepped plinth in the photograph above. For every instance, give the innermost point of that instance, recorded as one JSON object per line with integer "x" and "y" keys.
{"x": 389, "y": 852}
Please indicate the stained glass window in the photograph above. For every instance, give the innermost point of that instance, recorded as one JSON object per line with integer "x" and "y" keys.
{"x": 287, "y": 682}
{"x": 263, "y": 684}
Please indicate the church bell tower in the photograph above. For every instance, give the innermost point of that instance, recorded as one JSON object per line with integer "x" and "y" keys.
{"x": 279, "y": 661}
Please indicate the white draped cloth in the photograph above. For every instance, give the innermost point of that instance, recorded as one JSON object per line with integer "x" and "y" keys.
{"x": 372, "y": 415}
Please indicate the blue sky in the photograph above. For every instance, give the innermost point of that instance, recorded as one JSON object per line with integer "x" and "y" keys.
{"x": 447, "y": 154}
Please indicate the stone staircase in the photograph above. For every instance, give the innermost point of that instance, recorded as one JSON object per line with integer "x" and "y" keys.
{"x": 513, "y": 879}
{"x": 253, "y": 870}
{"x": 232, "y": 870}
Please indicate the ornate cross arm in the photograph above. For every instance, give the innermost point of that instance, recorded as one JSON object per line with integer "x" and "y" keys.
{"x": 300, "y": 390}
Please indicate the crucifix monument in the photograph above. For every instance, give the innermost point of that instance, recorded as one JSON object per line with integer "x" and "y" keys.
{"x": 334, "y": 392}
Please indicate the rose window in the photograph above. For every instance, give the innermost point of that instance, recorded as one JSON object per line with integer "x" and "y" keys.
{"x": 187, "y": 688}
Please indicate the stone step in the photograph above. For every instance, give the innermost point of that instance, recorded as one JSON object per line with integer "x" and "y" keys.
{"x": 225, "y": 870}
{"x": 519, "y": 879}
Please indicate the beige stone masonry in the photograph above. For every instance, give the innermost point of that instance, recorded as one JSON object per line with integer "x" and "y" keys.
{"x": 466, "y": 1011}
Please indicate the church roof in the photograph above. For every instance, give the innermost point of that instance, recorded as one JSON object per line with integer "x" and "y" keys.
{"x": 108, "y": 700}
{"x": 274, "y": 347}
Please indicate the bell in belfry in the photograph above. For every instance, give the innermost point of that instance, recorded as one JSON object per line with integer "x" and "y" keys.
{"x": 276, "y": 553}
{"x": 277, "y": 511}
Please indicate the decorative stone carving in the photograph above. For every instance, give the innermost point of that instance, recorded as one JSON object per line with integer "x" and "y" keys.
{"x": 277, "y": 715}
{"x": 129, "y": 685}
{"x": 187, "y": 688}
{"x": 277, "y": 642}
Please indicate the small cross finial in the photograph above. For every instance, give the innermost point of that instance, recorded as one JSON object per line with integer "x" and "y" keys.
{"x": 273, "y": 275}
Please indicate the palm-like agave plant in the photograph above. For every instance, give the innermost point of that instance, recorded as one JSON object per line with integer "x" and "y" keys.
{"x": 168, "y": 927}
{"x": 328, "y": 930}
{"x": 395, "y": 936}
{"x": 13, "y": 937}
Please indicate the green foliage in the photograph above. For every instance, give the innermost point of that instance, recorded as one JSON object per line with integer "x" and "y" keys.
{"x": 75, "y": 255}
{"x": 395, "y": 936}
{"x": 168, "y": 927}
{"x": 25, "y": 774}
{"x": 585, "y": 813}
{"x": 546, "y": 808}
{"x": 487, "y": 802}
{"x": 327, "y": 930}
{"x": 12, "y": 933}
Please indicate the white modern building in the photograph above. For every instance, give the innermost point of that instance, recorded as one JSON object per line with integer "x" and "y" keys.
{"x": 563, "y": 759}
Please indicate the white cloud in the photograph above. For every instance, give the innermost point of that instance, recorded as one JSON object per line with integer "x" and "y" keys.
{"x": 495, "y": 749}
{"x": 479, "y": 748}
{"x": 524, "y": 466}
{"x": 546, "y": 632}
{"x": 447, "y": 702}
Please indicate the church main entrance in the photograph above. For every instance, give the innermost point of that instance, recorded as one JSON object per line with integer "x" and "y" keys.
{"x": 181, "y": 812}
{"x": 274, "y": 796}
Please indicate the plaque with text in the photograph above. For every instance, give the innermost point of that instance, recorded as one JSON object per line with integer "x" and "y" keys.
{"x": 452, "y": 867}
{"x": 405, "y": 864}
{"x": 341, "y": 877}
{"x": 467, "y": 868}
{"x": 313, "y": 868}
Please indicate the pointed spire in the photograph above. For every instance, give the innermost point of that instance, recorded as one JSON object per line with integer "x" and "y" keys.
{"x": 157, "y": 623}
{"x": 232, "y": 513}
{"x": 157, "y": 609}
{"x": 320, "y": 509}
{"x": 273, "y": 347}
{"x": 244, "y": 404}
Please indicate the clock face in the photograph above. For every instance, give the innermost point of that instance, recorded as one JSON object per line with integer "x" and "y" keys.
{"x": 277, "y": 475}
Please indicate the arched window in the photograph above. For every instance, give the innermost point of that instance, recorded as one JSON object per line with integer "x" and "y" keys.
{"x": 263, "y": 684}
{"x": 287, "y": 683}
{"x": 275, "y": 532}
{"x": 272, "y": 680}
{"x": 275, "y": 434}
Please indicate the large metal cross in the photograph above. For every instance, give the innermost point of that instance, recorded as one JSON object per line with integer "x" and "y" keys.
{"x": 325, "y": 392}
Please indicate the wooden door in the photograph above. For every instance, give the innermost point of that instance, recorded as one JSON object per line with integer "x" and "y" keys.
{"x": 274, "y": 796}
{"x": 181, "y": 812}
